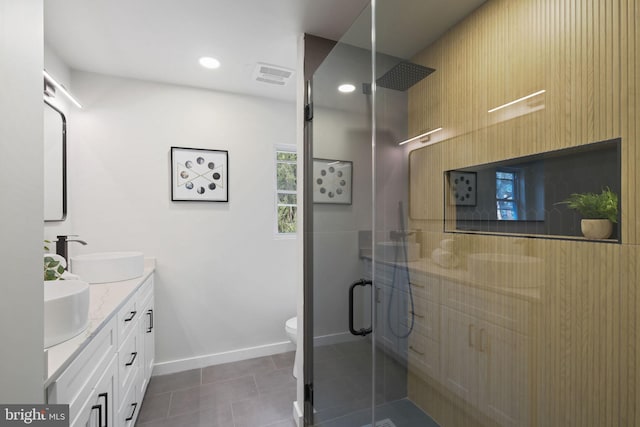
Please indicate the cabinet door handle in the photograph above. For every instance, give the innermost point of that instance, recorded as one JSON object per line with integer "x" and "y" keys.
{"x": 130, "y": 318}
{"x": 133, "y": 359}
{"x": 481, "y": 339}
{"x": 470, "y": 335}
{"x": 416, "y": 351}
{"x": 99, "y": 408}
{"x": 106, "y": 408}
{"x": 150, "y": 314}
{"x": 417, "y": 315}
{"x": 133, "y": 411}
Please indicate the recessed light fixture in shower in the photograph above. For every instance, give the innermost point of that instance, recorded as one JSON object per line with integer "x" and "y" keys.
{"x": 346, "y": 88}
{"x": 209, "y": 62}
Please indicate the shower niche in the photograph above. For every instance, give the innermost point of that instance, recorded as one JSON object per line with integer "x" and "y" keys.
{"x": 522, "y": 195}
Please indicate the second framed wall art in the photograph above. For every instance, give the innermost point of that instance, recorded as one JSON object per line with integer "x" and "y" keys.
{"x": 332, "y": 181}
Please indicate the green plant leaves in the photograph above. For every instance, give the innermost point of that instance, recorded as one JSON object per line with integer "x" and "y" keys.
{"x": 595, "y": 206}
{"x": 53, "y": 270}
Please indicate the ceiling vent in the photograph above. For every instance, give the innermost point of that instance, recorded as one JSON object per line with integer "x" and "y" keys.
{"x": 272, "y": 74}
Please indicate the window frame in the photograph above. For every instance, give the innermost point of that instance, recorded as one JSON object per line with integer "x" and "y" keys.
{"x": 284, "y": 148}
{"x": 515, "y": 198}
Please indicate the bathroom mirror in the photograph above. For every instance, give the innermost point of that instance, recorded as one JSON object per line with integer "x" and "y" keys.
{"x": 55, "y": 164}
{"x": 522, "y": 195}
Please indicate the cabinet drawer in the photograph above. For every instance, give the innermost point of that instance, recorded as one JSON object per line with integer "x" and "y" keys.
{"x": 502, "y": 310}
{"x": 426, "y": 287}
{"x": 426, "y": 320}
{"x": 129, "y": 362}
{"x": 423, "y": 355}
{"x": 127, "y": 318}
{"x": 128, "y": 412}
{"x": 75, "y": 384}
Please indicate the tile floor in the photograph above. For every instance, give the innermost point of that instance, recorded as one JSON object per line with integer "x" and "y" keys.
{"x": 260, "y": 392}
{"x": 251, "y": 393}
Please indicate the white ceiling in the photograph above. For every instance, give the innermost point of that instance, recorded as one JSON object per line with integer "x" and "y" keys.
{"x": 161, "y": 40}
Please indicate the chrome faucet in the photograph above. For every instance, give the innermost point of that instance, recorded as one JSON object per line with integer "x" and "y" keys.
{"x": 62, "y": 245}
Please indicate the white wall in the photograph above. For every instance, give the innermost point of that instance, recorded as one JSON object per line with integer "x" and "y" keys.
{"x": 21, "y": 164}
{"x": 224, "y": 282}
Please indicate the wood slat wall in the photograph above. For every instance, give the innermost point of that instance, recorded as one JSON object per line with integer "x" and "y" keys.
{"x": 586, "y": 55}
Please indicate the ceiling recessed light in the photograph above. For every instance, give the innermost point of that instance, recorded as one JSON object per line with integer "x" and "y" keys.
{"x": 346, "y": 88}
{"x": 209, "y": 62}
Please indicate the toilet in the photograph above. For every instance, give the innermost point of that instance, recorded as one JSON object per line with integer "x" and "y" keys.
{"x": 291, "y": 327}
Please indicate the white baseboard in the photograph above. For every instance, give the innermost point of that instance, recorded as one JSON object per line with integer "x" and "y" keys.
{"x": 298, "y": 414}
{"x": 180, "y": 365}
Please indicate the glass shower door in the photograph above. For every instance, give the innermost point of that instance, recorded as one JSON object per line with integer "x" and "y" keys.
{"x": 357, "y": 237}
{"x": 338, "y": 348}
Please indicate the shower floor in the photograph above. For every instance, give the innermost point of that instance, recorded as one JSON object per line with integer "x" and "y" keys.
{"x": 401, "y": 413}
{"x": 342, "y": 388}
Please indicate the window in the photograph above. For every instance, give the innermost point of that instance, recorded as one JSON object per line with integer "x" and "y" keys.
{"x": 506, "y": 197}
{"x": 286, "y": 196}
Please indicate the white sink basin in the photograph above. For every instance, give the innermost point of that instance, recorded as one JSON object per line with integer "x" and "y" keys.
{"x": 105, "y": 267}
{"x": 506, "y": 270}
{"x": 393, "y": 251}
{"x": 66, "y": 310}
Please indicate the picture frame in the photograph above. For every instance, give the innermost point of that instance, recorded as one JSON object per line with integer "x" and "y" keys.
{"x": 462, "y": 187}
{"x": 199, "y": 175}
{"x": 332, "y": 181}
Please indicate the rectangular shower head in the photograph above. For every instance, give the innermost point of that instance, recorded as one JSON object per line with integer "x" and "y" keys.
{"x": 403, "y": 75}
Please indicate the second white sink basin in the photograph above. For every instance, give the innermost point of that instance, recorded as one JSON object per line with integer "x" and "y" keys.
{"x": 105, "y": 267}
{"x": 506, "y": 270}
{"x": 66, "y": 310}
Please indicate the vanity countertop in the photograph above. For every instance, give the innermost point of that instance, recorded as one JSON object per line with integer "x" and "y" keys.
{"x": 105, "y": 300}
{"x": 461, "y": 276}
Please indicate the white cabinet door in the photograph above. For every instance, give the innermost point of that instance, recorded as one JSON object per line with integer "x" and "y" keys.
{"x": 504, "y": 374}
{"x": 99, "y": 408}
{"x": 459, "y": 358}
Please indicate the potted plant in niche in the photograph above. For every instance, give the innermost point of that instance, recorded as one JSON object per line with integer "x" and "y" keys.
{"x": 599, "y": 212}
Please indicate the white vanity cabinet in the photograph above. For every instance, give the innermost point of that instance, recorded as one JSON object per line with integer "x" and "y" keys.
{"x": 485, "y": 351}
{"x": 134, "y": 373}
{"x": 104, "y": 384}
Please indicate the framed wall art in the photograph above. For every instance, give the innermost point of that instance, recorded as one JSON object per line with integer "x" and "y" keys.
{"x": 463, "y": 188}
{"x": 199, "y": 175}
{"x": 332, "y": 181}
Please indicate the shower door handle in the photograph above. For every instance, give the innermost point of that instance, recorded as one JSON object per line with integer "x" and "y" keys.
{"x": 363, "y": 331}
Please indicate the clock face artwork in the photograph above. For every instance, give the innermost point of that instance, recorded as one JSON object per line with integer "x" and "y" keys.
{"x": 463, "y": 188}
{"x": 332, "y": 181}
{"x": 199, "y": 175}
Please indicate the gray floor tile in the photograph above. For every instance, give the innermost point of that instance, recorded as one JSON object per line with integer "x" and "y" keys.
{"x": 232, "y": 370}
{"x": 219, "y": 417}
{"x": 171, "y": 382}
{"x": 324, "y": 352}
{"x": 284, "y": 360}
{"x": 275, "y": 380}
{"x": 285, "y": 423}
{"x": 154, "y": 407}
{"x": 213, "y": 395}
{"x": 264, "y": 410}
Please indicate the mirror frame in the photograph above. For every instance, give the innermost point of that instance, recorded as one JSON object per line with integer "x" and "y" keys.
{"x": 64, "y": 163}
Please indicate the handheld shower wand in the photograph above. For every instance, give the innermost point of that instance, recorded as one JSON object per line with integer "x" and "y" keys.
{"x": 402, "y": 236}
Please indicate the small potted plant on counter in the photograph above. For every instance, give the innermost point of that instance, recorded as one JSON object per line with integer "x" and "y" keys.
{"x": 54, "y": 265}
{"x": 599, "y": 212}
